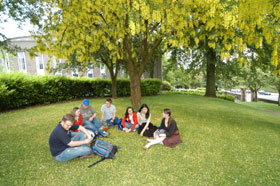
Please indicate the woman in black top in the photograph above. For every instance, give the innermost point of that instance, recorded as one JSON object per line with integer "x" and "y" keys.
{"x": 167, "y": 134}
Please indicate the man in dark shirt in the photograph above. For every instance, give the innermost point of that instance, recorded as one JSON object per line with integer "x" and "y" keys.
{"x": 63, "y": 146}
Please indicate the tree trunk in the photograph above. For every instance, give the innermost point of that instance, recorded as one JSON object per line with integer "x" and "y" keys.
{"x": 114, "y": 87}
{"x": 254, "y": 96}
{"x": 135, "y": 91}
{"x": 243, "y": 94}
{"x": 113, "y": 79}
{"x": 210, "y": 83}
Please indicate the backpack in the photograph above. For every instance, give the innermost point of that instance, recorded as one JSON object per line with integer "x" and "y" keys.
{"x": 103, "y": 149}
{"x": 120, "y": 126}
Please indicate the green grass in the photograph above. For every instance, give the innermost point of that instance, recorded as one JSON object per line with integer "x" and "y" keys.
{"x": 267, "y": 107}
{"x": 224, "y": 144}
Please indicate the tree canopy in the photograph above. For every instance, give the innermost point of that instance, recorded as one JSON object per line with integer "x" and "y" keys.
{"x": 133, "y": 30}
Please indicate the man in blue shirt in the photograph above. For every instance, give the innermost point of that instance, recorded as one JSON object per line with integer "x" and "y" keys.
{"x": 63, "y": 146}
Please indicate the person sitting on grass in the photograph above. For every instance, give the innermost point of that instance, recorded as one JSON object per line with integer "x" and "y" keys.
{"x": 146, "y": 128}
{"x": 167, "y": 134}
{"x": 109, "y": 113}
{"x": 78, "y": 119}
{"x": 129, "y": 121}
{"x": 63, "y": 146}
{"x": 89, "y": 119}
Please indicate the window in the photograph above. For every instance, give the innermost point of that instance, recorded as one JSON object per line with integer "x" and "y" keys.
{"x": 40, "y": 64}
{"x": 6, "y": 63}
{"x": 75, "y": 73}
{"x": 22, "y": 62}
{"x": 90, "y": 72}
{"x": 58, "y": 71}
{"x": 102, "y": 71}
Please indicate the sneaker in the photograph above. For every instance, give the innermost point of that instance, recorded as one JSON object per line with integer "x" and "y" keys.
{"x": 105, "y": 134}
{"x": 86, "y": 156}
{"x": 105, "y": 128}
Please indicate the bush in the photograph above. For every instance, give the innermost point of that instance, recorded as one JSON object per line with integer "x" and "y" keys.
{"x": 166, "y": 86}
{"x": 18, "y": 90}
{"x": 150, "y": 86}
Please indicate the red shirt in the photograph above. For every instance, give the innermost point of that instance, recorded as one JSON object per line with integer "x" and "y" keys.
{"x": 79, "y": 121}
{"x": 134, "y": 116}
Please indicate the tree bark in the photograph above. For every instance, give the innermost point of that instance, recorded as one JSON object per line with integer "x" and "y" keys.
{"x": 243, "y": 94}
{"x": 135, "y": 91}
{"x": 114, "y": 87}
{"x": 210, "y": 83}
{"x": 254, "y": 96}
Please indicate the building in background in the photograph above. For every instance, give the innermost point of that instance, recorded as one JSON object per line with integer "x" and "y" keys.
{"x": 22, "y": 62}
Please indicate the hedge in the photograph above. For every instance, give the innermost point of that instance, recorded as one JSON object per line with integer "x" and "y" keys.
{"x": 165, "y": 86}
{"x": 18, "y": 90}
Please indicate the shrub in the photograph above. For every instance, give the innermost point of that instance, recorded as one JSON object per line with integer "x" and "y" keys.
{"x": 18, "y": 90}
{"x": 166, "y": 86}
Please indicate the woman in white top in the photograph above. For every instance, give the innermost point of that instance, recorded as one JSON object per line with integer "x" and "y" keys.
{"x": 146, "y": 128}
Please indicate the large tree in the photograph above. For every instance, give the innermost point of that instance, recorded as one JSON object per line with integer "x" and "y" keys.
{"x": 133, "y": 30}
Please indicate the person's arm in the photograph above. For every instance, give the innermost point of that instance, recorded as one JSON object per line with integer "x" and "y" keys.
{"x": 79, "y": 143}
{"x": 171, "y": 130}
{"x": 113, "y": 118}
{"x": 94, "y": 113}
{"x": 162, "y": 124}
{"x": 146, "y": 126}
{"x": 84, "y": 130}
{"x": 134, "y": 117}
{"x": 138, "y": 117}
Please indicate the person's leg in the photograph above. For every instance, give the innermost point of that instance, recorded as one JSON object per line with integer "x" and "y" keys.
{"x": 88, "y": 125}
{"x": 96, "y": 123}
{"x": 115, "y": 122}
{"x": 73, "y": 152}
{"x": 128, "y": 125}
{"x": 74, "y": 134}
{"x": 135, "y": 128}
{"x": 158, "y": 140}
{"x": 109, "y": 123}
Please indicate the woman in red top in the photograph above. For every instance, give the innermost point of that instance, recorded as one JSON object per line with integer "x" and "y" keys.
{"x": 130, "y": 122}
{"x": 77, "y": 116}
{"x": 78, "y": 120}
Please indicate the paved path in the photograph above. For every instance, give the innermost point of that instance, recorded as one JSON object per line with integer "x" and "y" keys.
{"x": 272, "y": 97}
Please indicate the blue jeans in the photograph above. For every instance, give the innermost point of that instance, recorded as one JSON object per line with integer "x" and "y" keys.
{"x": 115, "y": 122}
{"x": 73, "y": 152}
{"x": 93, "y": 125}
{"x": 129, "y": 125}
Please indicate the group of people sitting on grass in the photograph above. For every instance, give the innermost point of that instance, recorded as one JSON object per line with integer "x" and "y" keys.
{"x": 76, "y": 130}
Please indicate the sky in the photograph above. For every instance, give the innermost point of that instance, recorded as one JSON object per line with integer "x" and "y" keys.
{"x": 10, "y": 29}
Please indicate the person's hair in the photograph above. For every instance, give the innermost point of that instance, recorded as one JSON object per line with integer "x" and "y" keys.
{"x": 73, "y": 112}
{"x": 109, "y": 100}
{"x": 168, "y": 111}
{"x": 148, "y": 110}
{"x": 126, "y": 112}
{"x": 68, "y": 117}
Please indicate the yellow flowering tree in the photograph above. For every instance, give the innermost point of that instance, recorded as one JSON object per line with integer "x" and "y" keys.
{"x": 133, "y": 29}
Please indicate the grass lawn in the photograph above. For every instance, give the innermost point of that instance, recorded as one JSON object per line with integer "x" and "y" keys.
{"x": 225, "y": 143}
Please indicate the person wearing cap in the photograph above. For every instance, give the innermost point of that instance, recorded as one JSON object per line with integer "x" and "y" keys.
{"x": 89, "y": 118}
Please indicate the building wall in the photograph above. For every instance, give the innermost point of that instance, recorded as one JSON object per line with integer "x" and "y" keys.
{"x": 27, "y": 42}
